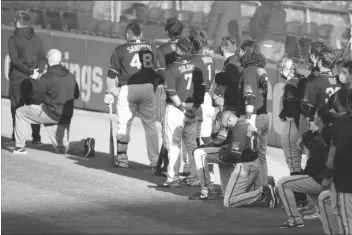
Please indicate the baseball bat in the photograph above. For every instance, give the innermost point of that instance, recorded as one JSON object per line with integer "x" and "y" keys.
{"x": 112, "y": 148}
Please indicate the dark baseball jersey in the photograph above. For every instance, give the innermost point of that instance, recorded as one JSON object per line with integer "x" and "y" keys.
{"x": 342, "y": 139}
{"x": 134, "y": 62}
{"x": 338, "y": 101}
{"x": 243, "y": 146}
{"x": 205, "y": 67}
{"x": 319, "y": 150}
{"x": 291, "y": 101}
{"x": 317, "y": 92}
{"x": 167, "y": 53}
{"x": 253, "y": 90}
{"x": 180, "y": 81}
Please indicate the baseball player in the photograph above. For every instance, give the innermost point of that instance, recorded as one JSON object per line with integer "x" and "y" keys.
{"x": 132, "y": 67}
{"x": 290, "y": 117}
{"x": 206, "y": 68}
{"x": 311, "y": 180}
{"x": 253, "y": 96}
{"x": 167, "y": 54}
{"x": 184, "y": 97}
{"x": 240, "y": 151}
{"x": 230, "y": 75}
{"x": 317, "y": 91}
{"x": 334, "y": 217}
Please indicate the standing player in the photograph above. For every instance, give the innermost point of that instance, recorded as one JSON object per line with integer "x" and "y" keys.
{"x": 317, "y": 92}
{"x": 290, "y": 117}
{"x": 206, "y": 68}
{"x": 183, "y": 90}
{"x": 167, "y": 55}
{"x": 230, "y": 75}
{"x": 27, "y": 61}
{"x": 253, "y": 96}
{"x": 133, "y": 67}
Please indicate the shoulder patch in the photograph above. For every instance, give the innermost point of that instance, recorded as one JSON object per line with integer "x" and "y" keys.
{"x": 261, "y": 71}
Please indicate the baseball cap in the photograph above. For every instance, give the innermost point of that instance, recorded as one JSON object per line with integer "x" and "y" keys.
{"x": 219, "y": 90}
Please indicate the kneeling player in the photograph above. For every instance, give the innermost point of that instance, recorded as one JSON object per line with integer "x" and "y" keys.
{"x": 242, "y": 153}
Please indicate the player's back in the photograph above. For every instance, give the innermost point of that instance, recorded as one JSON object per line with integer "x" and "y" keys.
{"x": 137, "y": 62}
{"x": 324, "y": 86}
{"x": 205, "y": 68}
{"x": 181, "y": 75}
{"x": 167, "y": 53}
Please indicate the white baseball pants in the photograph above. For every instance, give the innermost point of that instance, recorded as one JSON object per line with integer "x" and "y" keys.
{"x": 177, "y": 129}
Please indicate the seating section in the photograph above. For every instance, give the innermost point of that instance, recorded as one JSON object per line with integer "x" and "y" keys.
{"x": 76, "y": 16}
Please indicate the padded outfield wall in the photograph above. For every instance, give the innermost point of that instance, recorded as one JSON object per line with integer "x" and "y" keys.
{"x": 87, "y": 57}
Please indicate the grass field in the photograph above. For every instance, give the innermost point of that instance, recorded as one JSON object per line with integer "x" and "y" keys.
{"x": 47, "y": 193}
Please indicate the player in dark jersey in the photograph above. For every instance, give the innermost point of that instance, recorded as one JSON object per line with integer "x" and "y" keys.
{"x": 230, "y": 75}
{"x": 133, "y": 67}
{"x": 206, "y": 68}
{"x": 167, "y": 55}
{"x": 317, "y": 92}
{"x": 253, "y": 96}
{"x": 182, "y": 86}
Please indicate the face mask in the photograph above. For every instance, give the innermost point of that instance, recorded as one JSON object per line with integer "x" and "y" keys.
{"x": 221, "y": 52}
{"x": 283, "y": 77}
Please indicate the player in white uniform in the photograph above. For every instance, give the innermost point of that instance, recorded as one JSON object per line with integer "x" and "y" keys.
{"x": 185, "y": 93}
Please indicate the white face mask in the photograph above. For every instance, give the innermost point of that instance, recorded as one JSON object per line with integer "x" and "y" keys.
{"x": 342, "y": 78}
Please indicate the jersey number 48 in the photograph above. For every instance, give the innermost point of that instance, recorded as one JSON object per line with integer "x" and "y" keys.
{"x": 146, "y": 61}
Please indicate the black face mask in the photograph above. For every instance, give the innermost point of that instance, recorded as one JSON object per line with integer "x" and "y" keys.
{"x": 221, "y": 52}
{"x": 282, "y": 76}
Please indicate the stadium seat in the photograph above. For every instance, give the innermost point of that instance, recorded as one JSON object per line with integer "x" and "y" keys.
{"x": 69, "y": 21}
{"x": 7, "y": 16}
{"x": 154, "y": 16}
{"x": 293, "y": 28}
{"x": 292, "y": 45}
{"x": 52, "y": 5}
{"x": 52, "y": 20}
{"x": 166, "y": 15}
{"x": 324, "y": 32}
{"x": 37, "y": 18}
{"x": 118, "y": 30}
{"x": 309, "y": 29}
{"x": 197, "y": 20}
{"x": 104, "y": 28}
{"x": 244, "y": 25}
{"x": 69, "y": 6}
{"x": 211, "y": 27}
{"x": 184, "y": 17}
{"x": 85, "y": 7}
{"x": 87, "y": 24}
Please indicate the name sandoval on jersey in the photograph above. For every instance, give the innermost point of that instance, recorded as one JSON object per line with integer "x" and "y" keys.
{"x": 134, "y": 48}
{"x": 186, "y": 68}
{"x": 207, "y": 60}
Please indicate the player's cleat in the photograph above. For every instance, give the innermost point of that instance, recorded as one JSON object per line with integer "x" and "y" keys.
{"x": 89, "y": 146}
{"x": 290, "y": 225}
{"x": 269, "y": 196}
{"x": 18, "y": 150}
{"x": 185, "y": 174}
{"x": 37, "y": 142}
{"x": 205, "y": 194}
{"x": 160, "y": 172}
{"x": 121, "y": 164}
{"x": 315, "y": 215}
{"x": 301, "y": 206}
{"x": 168, "y": 185}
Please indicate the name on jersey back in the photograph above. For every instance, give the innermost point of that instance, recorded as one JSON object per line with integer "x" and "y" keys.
{"x": 186, "y": 68}
{"x": 135, "y": 48}
{"x": 207, "y": 60}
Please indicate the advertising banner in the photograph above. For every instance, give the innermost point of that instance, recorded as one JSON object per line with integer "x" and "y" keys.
{"x": 88, "y": 57}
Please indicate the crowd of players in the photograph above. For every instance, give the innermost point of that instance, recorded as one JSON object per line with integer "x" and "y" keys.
{"x": 208, "y": 118}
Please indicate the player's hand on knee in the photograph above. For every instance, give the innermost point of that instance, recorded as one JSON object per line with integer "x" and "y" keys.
{"x": 109, "y": 99}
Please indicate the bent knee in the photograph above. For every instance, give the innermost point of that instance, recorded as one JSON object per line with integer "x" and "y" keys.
{"x": 324, "y": 195}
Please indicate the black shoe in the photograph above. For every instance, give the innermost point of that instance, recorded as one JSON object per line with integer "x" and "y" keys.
{"x": 89, "y": 146}
{"x": 289, "y": 225}
{"x": 269, "y": 196}
{"x": 168, "y": 185}
{"x": 185, "y": 174}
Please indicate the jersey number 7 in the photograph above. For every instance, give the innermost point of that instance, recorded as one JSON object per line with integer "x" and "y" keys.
{"x": 147, "y": 61}
{"x": 188, "y": 78}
